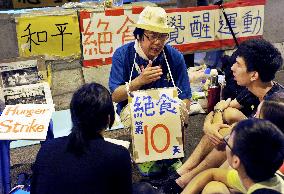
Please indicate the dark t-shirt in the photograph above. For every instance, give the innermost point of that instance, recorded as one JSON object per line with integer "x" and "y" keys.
{"x": 250, "y": 102}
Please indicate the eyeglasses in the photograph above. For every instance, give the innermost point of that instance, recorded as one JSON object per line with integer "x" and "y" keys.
{"x": 154, "y": 37}
{"x": 226, "y": 140}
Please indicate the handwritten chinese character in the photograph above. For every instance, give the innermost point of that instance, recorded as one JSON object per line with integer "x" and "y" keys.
{"x": 247, "y": 21}
{"x": 41, "y": 37}
{"x": 61, "y": 28}
{"x": 148, "y": 105}
{"x": 88, "y": 40}
{"x": 166, "y": 104}
{"x": 175, "y": 21}
{"x": 176, "y": 149}
{"x": 251, "y": 23}
{"x": 99, "y": 42}
{"x": 104, "y": 38}
{"x": 258, "y": 21}
{"x": 138, "y": 127}
{"x": 199, "y": 28}
{"x": 126, "y": 33}
{"x": 224, "y": 28}
{"x": 138, "y": 109}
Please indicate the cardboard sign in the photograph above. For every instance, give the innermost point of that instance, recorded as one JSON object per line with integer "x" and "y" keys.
{"x": 54, "y": 36}
{"x": 156, "y": 125}
{"x": 39, "y": 3}
{"x": 25, "y": 121}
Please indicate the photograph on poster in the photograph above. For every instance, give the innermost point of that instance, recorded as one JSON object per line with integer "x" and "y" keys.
{"x": 20, "y": 77}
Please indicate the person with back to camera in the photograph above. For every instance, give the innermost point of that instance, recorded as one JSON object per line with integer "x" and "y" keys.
{"x": 149, "y": 63}
{"x": 83, "y": 162}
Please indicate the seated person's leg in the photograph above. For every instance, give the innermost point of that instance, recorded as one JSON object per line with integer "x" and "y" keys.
{"x": 213, "y": 160}
{"x": 200, "y": 152}
{"x": 233, "y": 115}
{"x": 215, "y": 187}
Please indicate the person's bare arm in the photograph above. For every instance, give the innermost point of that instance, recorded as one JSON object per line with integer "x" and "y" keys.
{"x": 120, "y": 93}
{"x": 197, "y": 184}
{"x": 212, "y": 124}
{"x": 235, "y": 104}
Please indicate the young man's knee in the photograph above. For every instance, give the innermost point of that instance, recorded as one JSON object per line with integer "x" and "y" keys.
{"x": 215, "y": 187}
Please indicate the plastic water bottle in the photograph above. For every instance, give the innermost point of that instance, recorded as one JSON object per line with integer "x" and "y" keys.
{"x": 222, "y": 83}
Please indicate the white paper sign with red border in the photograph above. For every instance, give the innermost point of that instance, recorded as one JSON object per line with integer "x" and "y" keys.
{"x": 156, "y": 125}
{"x": 25, "y": 121}
{"x": 195, "y": 28}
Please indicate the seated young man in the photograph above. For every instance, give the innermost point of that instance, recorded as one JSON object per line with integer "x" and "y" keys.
{"x": 255, "y": 151}
{"x": 255, "y": 68}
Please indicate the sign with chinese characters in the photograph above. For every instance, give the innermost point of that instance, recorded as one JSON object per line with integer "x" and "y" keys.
{"x": 25, "y": 121}
{"x": 39, "y": 3}
{"x": 55, "y": 36}
{"x": 156, "y": 125}
{"x": 196, "y": 29}
{"x": 101, "y": 35}
{"x": 245, "y": 22}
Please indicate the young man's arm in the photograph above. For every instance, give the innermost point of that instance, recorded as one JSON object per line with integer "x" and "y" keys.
{"x": 212, "y": 125}
{"x": 235, "y": 104}
{"x": 197, "y": 184}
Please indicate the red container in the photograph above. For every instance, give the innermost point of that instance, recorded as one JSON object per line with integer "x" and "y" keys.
{"x": 213, "y": 97}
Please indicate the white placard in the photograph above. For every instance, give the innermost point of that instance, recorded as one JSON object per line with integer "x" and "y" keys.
{"x": 25, "y": 121}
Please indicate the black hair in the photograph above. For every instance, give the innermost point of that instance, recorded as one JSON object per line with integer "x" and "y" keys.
{"x": 272, "y": 109}
{"x": 260, "y": 146}
{"x": 91, "y": 112}
{"x": 274, "y": 112}
{"x": 138, "y": 33}
{"x": 261, "y": 56}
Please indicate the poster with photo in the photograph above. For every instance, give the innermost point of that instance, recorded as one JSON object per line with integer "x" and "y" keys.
{"x": 18, "y": 72}
{"x": 22, "y": 81}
